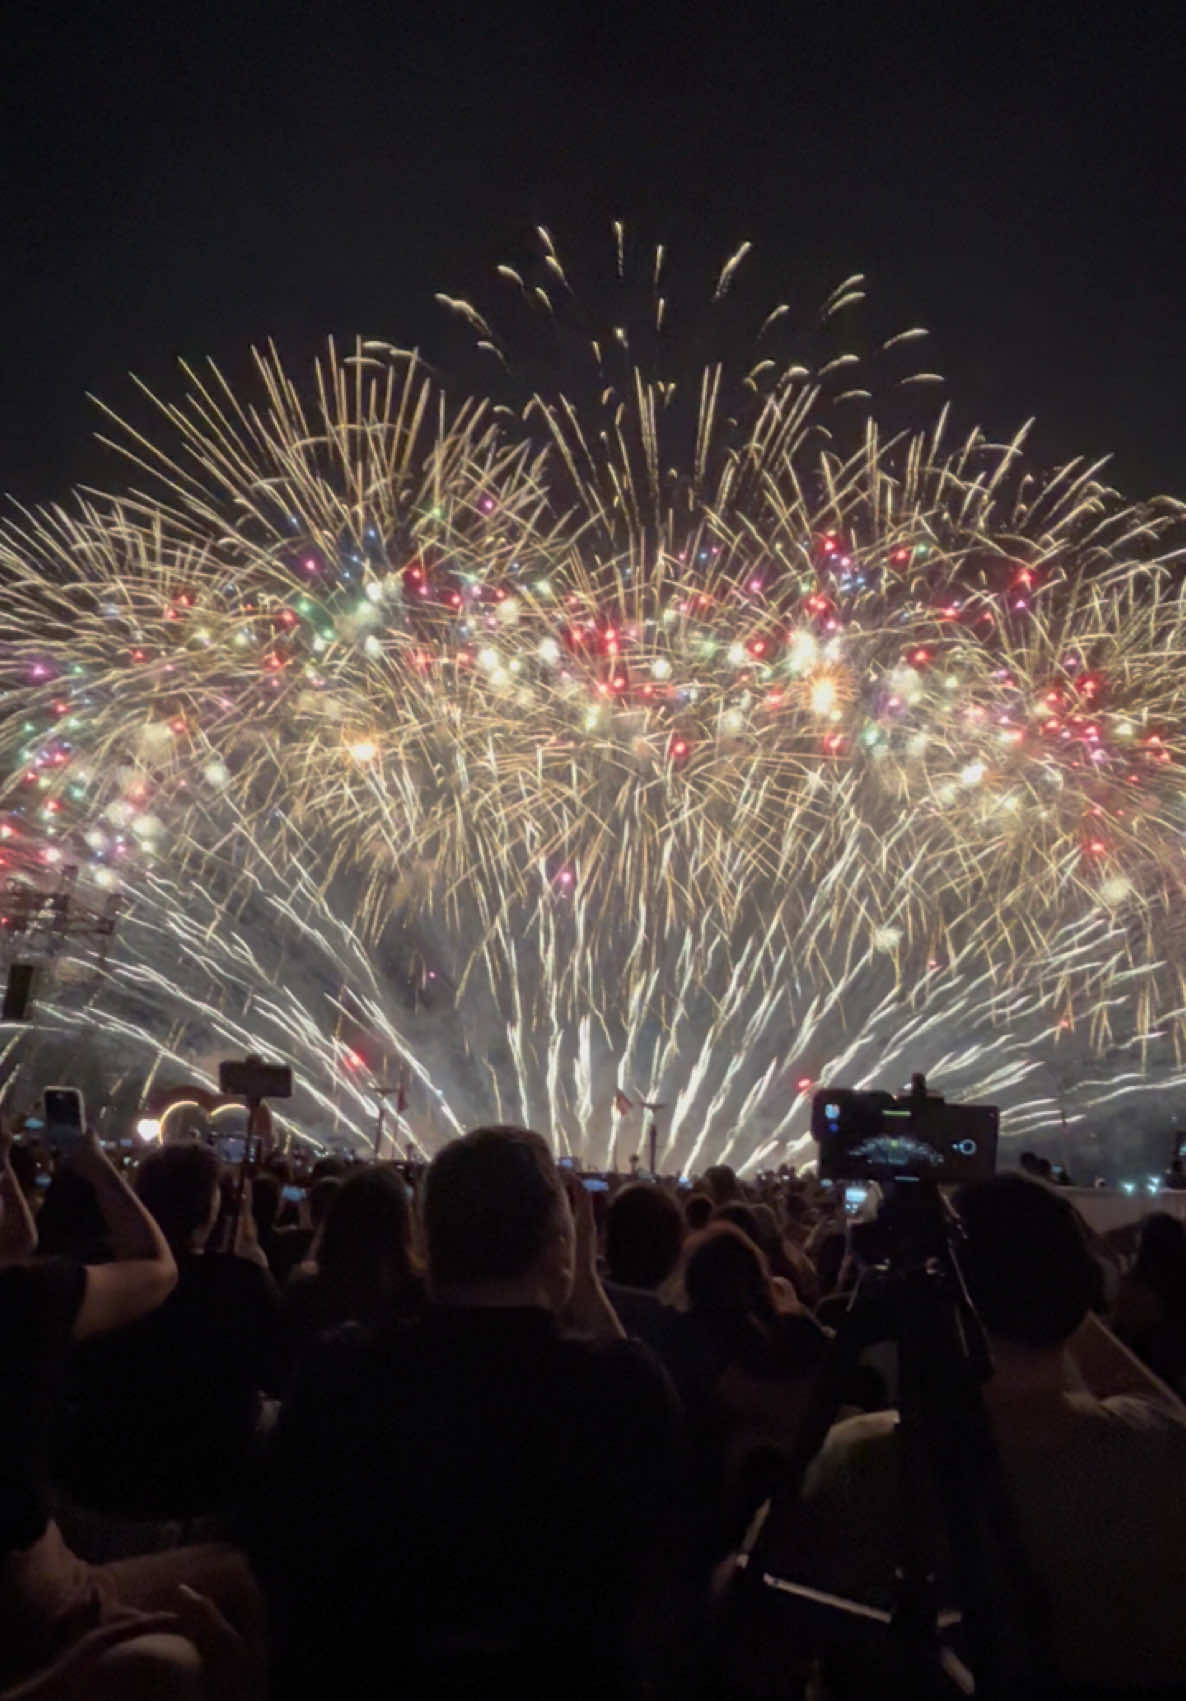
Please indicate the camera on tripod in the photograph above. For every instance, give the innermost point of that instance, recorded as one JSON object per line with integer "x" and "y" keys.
{"x": 873, "y": 1136}
{"x": 912, "y": 1147}
{"x": 910, "y": 1293}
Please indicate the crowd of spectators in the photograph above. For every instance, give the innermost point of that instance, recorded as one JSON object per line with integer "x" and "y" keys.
{"x": 479, "y": 1427}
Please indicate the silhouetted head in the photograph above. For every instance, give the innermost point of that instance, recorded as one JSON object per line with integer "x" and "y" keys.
{"x": 366, "y": 1241}
{"x": 265, "y": 1201}
{"x": 722, "y": 1183}
{"x": 497, "y": 1222}
{"x": 1161, "y": 1259}
{"x": 698, "y": 1208}
{"x": 643, "y": 1235}
{"x": 1025, "y": 1260}
{"x": 744, "y": 1217}
{"x": 322, "y": 1194}
{"x": 179, "y": 1185}
{"x": 727, "y": 1276}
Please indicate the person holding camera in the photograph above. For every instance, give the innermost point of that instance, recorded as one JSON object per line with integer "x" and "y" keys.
{"x": 1092, "y": 1451}
{"x": 69, "y": 1629}
{"x": 159, "y": 1424}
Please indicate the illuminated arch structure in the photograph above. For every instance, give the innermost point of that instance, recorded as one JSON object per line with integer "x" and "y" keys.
{"x": 163, "y": 1118}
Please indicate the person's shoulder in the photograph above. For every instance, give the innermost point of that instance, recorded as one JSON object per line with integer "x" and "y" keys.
{"x": 620, "y": 1363}
{"x": 798, "y": 1339}
{"x": 1137, "y": 1437}
{"x": 289, "y": 1247}
{"x": 628, "y": 1376}
{"x": 303, "y": 1282}
{"x": 343, "y": 1366}
{"x": 620, "y": 1355}
{"x": 856, "y": 1450}
{"x": 839, "y": 1535}
{"x": 42, "y": 1281}
{"x": 225, "y": 1273}
{"x": 852, "y": 1484}
{"x": 1144, "y": 1414}
{"x": 632, "y": 1301}
{"x": 232, "y": 1296}
{"x": 856, "y": 1434}
{"x": 616, "y": 1291}
{"x": 37, "y": 1291}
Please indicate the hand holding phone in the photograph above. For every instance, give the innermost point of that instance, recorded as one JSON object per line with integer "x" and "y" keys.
{"x": 584, "y": 1226}
{"x": 65, "y": 1120}
{"x": 246, "y": 1236}
{"x": 89, "y": 1160}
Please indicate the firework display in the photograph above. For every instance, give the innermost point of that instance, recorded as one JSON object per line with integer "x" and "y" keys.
{"x": 517, "y": 759}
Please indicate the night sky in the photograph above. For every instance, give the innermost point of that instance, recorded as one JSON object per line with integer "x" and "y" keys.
{"x": 188, "y": 183}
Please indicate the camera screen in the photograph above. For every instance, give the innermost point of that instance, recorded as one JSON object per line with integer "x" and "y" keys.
{"x": 870, "y": 1136}
{"x": 64, "y": 1118}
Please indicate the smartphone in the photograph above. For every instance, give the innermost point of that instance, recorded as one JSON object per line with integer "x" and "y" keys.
{"x": 854, "y": 1197}
{"x": 292, "y": 1195}
{"x": 252, "y": 1078}
{"x": 65, "y": 1119}
{"x": 594, "y": 1184}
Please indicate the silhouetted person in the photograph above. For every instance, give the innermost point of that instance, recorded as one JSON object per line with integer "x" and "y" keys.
{"x": 756, "y": 1349}
{"x": 1175, "y": 1177}
{"x": 71, "y": 1631}
{"x": 1150, "y": 1312}
{"x": 1092, "y": 1450}
{"x": 788, "y": 1263}
{"x": 292, "y": 1246}
{"x": 643, "y": 1236}
{"x": 698, "y": 1208}
{"x": 492, "y": 1497}
{"x": 644, "y": 1233}
{"x": 265, "y": 1208}
{"x": 159, "y": 1418}
{"x": 365, "y": 1268}
{"x": 722, "y": 1184}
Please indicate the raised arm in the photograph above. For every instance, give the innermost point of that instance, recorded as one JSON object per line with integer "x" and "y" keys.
{"x": 144, "y": 1272}
{"x": 589, "y": 1309}
{"x": 18, "y": 1231}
